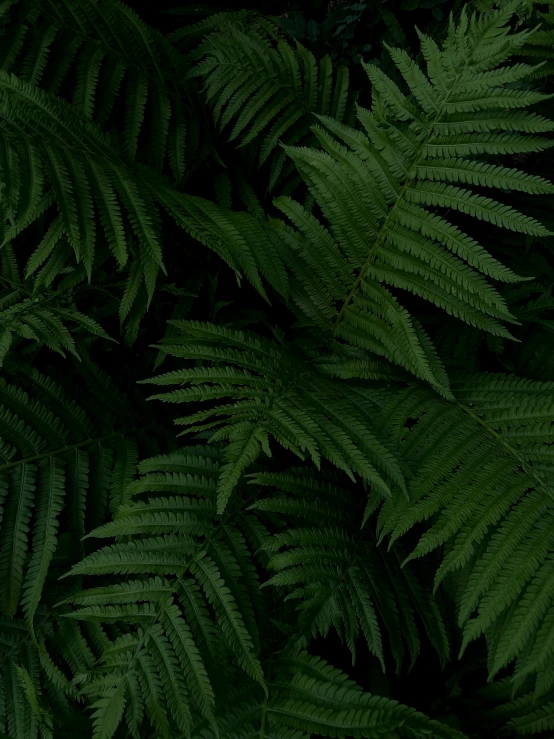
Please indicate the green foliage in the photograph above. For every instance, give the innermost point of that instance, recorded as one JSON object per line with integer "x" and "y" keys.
{"x": 341, "y": 577}
{"x": 59, "y": 472}
{"x": 492, "y": 500}
{"x": 57, "y": 152}
{"x": 346, "y": 27}
{"x": 194, "y": 606}
{"x": 307, "y": 694}
{"x": 92, "y": 53}
{"x": 384, "y": 192}
{"x": 275, "y": 94}
{"x": 334, "y": 278}
{"x": 175, "y": 647}
{"x": 276, "y": 395}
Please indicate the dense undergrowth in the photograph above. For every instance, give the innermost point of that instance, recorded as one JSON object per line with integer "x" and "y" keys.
{"x": 277, "y": 370}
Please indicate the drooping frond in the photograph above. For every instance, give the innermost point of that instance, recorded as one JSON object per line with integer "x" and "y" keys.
{"x": 385, "y": 193}
{"x": 86, "y": 46}
{"x": 264, "y": 92}
{"x": 83, "y": 172}
{"x": 84, "y": 169}
{"x": 338, "y": 575}
{"x": 46, "y": 320}
{"x": 101, "y": 56}
{"x": 52, "y": 154}
{"x": 482, "y": 469}
{"x": 272, "y": 392}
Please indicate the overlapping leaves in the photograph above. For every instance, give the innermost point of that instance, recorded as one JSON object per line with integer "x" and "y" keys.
{"x": 385, "y": 192}
{"x": 337, "y": 574}
{"x": 481, "y": 475}
{"x": 267, "y": 90}
{"x": 181, "y": 586}
{"x": 272, "y": 393}
{"x": 59, "y": 471}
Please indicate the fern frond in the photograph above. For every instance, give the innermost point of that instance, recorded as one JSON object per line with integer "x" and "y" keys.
{"x": 57, "y": 150}
{"x": 167, "y": 526}
{"x": 84, "y": 166}
{"x": 275, "y": 393}
{"x": 45, "y": 319}
{"x": 309, "y": 697}
{"x": 47, "y": 451}
{"x": 384, "y": 194}
{"x": 481, "y": 476}
{"x": 71, "y": 150}
{"x": 334, "y": 567}
{"x": 102, "y": 52}
{"x": 267, "y": 90}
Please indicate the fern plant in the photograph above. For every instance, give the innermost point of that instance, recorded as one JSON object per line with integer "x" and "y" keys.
{"x": 352, "y": 305}
{"x": 56, "y": 152}
{"x": 486, "y": 488}
{"x": 193, "y": 600}
{"x": 337, "y": 574}
{"x": 46, "y": 319}
{"x": 279, "y": 395}
{"x": 82, "y": 49}
{"x": 59, "y": 473}
{"x": 306, "y": 693}
{"x": 267, "y": 90}
{"x": 384, "y": 194}
{"x": 175, "y": 647}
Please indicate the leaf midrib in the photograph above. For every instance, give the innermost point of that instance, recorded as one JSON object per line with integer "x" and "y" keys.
{"x": 409, "y": 176}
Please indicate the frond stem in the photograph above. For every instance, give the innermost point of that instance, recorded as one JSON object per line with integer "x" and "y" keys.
{"x": 407, "y": 180}
{"x": 264, "y": 717}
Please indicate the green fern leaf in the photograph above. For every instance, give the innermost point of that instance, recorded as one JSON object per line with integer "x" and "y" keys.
{"x": 379, "y": 191}
{"x": 276, "y": 394}
{"x": 273, "y": 107}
